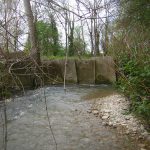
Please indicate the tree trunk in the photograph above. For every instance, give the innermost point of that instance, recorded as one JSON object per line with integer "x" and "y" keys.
{"x": 35, "y": 53}
{"x": 6, "y": 46}
{"x": 91, "y": 37}
{"x": 96, "y": 33}
{"x": 106, "y": 28}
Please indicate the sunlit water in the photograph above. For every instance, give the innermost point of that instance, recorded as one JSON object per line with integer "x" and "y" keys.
{"x": 73, "y": 127}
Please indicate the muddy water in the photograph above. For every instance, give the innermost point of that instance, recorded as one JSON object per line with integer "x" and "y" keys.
{"x": 73, "y": 127}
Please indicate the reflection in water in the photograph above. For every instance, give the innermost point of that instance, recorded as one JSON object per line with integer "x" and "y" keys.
{"x": 99, "y": 93}
{"x": 73, "y": 127}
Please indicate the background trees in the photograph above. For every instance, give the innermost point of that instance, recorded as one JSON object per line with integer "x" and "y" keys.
{"x": 79, "y": 45}
{"x": 10, "y": 30}
{"x": 56, "y": 15}
{"x": 47, "y": 38}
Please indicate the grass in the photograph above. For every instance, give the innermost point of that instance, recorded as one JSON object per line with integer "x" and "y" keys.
{"x": 63, "y": 57}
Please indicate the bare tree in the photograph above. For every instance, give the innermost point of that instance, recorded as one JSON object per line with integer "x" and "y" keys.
{"x": 92, "y": 23}
{"x": 35, "y": 53}
{"x": 9, "y": 25}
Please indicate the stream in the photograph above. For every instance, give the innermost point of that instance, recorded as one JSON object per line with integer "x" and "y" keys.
{"x": 73, "y": 128}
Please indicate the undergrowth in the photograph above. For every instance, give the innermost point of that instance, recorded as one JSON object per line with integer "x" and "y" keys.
{"x": 134, "y": 81}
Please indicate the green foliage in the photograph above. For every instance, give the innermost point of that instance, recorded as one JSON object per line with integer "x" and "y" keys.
{"x": 136, "y": 11}
{"x": 71, "y": 41}
{"x": 77, "y": 44}
{"x": 131, "y": 50}
{"x": 143, "y": 109}
{"x": 134, "y": 82}
{"x": 27, "y": 47}
{"x": 4, "y": 82}
{"x": 48, "y": 38}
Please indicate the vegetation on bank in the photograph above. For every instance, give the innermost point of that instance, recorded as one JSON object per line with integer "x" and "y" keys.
{"x": 131, "y": 50}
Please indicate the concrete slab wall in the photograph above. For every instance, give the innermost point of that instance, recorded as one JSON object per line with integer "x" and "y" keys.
{"x": 52, "y": 72}
{"x": 21, "y": 74}
{"x": 88, "y": 71}
{"x": 85, "y": 71}
{"x": 104, "y": 70}
{"x": 71, "y": 74}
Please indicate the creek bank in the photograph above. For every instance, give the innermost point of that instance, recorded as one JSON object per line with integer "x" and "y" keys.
{"x": 113, "y": 111}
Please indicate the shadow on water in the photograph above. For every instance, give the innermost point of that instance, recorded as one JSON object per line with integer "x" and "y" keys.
{"x": 73, "y": 127}
{"x": 100, "y": 92}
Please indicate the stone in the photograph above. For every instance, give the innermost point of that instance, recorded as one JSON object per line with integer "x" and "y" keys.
{"x": 127, "y": 132}
{"x": 89, "y": 111}
{"x": 142, "y": 127}
{"x": 105, "y": 117}
{"x": 85, "y": 140}
{"x": 127, "y": 118}
{"x": 134, "y": 129}
{"x": 114, "y": 125}
{"x": 145, "y": 134}
{"x": 95, "y": 112}
{"x": 104, "y": 124}
{"x": 140, "y": 137}
{"x": 30, "y": 106}
{"x": 110, "y": 123}
{"x": 107, "y": 111}
{"x": 128, "y": 123}
{"x": 21, "y": 113}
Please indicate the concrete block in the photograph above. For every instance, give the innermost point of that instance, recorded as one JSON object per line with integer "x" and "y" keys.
{"x": 105, "y": 70}
{"x": 85, "y": 71}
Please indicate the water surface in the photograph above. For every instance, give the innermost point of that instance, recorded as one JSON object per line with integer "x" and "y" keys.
{"x": 73, "y": 127}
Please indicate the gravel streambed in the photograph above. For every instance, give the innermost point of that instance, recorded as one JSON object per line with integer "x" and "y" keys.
{"x": 113, "y": 111}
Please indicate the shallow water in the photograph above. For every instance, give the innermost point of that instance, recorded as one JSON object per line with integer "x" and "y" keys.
{"x": 73, "y": 127}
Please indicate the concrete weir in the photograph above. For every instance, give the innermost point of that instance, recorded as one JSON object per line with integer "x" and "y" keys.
{"x": 85, "y": 71}
{"x": 71, "y": 72}
{"x": 104, "y": 70}
{"x": 96, "y": 70}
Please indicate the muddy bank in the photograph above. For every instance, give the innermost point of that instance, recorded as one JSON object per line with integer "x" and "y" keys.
{"x": 113, "y": 110}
